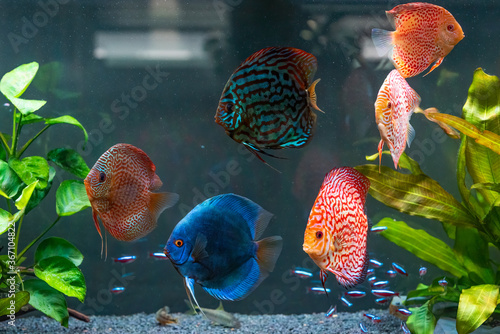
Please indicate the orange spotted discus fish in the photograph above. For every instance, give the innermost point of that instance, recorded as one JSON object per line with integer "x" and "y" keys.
{"x": 120, "y": 186}
{"x": 425, "y": 34}
{"x": 335, "y": 236}
{"x": 396, "y": 102}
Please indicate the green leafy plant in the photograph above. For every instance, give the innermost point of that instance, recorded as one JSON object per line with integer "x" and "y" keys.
{"x": 26, "y": 181}
{"x": 473, "y": 225}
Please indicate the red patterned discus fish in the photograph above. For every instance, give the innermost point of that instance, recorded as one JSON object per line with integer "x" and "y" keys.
{"x": 335, "y": 236}
{"x": 396, "y": 102}
{"x": 425, "y": 34}
{"x": 120, "y": 189}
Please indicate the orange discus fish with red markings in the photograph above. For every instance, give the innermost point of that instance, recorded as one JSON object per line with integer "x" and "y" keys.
{"x": 120, "y": 189}
{"x": 396, "y": 102}
{"x": 335, "y": 236}
{"x": 425, "y": 34}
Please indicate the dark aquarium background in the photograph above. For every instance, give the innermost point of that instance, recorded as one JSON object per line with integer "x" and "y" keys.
{"x": 150, "y": 73}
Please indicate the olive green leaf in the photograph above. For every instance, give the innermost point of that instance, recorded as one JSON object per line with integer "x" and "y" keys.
{"x": 492, "y": 224}
{"x": 476, "y": 305}
{"x": 9, "y": 181}
{"x": 14, "y": 83}
{"x": 71, "y": 197}
{"x": 31, "y": 169}
{"x": 47, "y": 300}
{"x": 69, "y": 160}
{"x": 67, "y": 120}
{"x": 482, "y": 110}
{"x": 416, "y": 195}
{"x": 62, "y": 274}
{"x": 422, "y": 321}
{"x": 488, "y": 185}
{"x": 7, "y": 219}
{"x": 54, "y": 246}
{"x": 423, "y": 245}
{"x": 20, "y": 298}
{"x": 472, "y": 252}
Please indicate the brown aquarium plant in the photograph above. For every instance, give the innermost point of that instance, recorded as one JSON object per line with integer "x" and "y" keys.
{"x": 472, "y": 225}
{"x": 24, "y": 183}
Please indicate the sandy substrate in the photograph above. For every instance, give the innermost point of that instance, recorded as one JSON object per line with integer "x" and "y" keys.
{"x": 342, "y": 323}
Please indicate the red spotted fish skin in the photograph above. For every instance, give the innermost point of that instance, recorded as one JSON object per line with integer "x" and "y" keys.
{"x": 396, "y": 102}
{"x": 425, "y": 34}
{"x": 336, "y": 232}
{"x": 120, "y": 186}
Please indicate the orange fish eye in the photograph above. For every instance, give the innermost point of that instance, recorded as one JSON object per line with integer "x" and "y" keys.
{"x": 102, "y": 177}
{"x": 179, "y": 243}
{"x": 319, "y": 235}
{"x": 450, "y": 27}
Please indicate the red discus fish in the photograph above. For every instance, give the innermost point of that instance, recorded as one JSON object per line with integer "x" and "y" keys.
{"x": 120, "y": 186}
{"x": 335, "y": 236}
{"x": 396, "y": 102}
{"x": 425, "y": 34}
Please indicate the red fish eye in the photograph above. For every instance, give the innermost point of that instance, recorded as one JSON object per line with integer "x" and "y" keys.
{"x": 389, "y": 105}
{"x": 179, "y": 243}
{"x": 319, "y": 235}
{"x": 450, "y": 27}
{"x": 102, "y": 177}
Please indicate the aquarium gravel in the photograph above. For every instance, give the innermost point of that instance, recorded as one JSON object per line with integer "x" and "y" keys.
{"x": 341, "y": 323}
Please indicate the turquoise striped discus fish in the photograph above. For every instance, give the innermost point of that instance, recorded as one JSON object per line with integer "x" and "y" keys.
{"x": 268, "y": 101}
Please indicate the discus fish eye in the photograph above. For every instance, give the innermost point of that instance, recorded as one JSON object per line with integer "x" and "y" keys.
{"x": 389, "y": 104}
{"x": 179, "y": 243}
{"x": 450, "y": 27}
{"x": 229, "y": 107}
{"x": 102, "y": 177}
{"x": 319, "y": 235}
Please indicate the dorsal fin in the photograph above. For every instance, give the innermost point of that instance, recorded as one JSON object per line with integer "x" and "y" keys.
{"x": 255, "y": 216}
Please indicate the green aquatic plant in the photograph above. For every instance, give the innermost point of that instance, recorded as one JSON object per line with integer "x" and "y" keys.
{"x": 471, "y": 290}
{"x": 25, "y": 182}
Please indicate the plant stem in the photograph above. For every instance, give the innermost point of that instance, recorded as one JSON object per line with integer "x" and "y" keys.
{"x": 18, "y": 233}
{"x": 15, "y": 132}
{"x": 8, "y": 205}
{"x": 5, "y": 145}
{"x": 28, "y": 143}
{"x": 37, "y": 238}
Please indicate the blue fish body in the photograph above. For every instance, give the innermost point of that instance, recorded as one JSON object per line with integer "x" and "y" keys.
{"x": 214, "y": 246}
{"x": 268, "y": 101}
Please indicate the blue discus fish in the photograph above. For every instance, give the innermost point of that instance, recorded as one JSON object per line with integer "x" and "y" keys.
{"x": 215, "y": 246}
{"x": 268, "y": 101}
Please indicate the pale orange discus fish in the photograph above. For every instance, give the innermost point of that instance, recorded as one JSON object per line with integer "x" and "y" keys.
{"x": 425, "y": 34}
{"x": 120, "y": 189}
{"x": 335, "y": 236}
{"x": 396, "y": 102}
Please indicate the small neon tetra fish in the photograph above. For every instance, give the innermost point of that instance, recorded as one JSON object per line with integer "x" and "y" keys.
{"x": 120, "y": 189}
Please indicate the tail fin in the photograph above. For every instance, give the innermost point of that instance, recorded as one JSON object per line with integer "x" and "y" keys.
{"x": 268, "y": 251}
{"x": 161, "y": 201}
{"x": 382, "y": 39}
{"x": 312, "y": 96}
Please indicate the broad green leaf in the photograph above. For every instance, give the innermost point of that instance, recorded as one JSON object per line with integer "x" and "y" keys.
{"x": 423, "y": 245}
{"x": 61, "y": 274}
{"x": 47, "y": 300}
{"x": 27, "y": 107}
{"x": 67, "y": 120}
{"x": 404, "y": 162}
{"x": 70, "y": 161}
{"x": 489, "y": 186}
{"x": 3, "y": 153}
{"x": 31, "y": 169}
{"x": 492, "y": 224}
{"x": 39, "y": 194}
{"x": 14, "y": 83}
{"x": 31, "y": 118}
{"x": 54, "y": 246}
{"x": 475, "y": 306}
{"x": 450, "y": 131}
{"x": 469, "y": 201}
{"x": 416, "y": 195}
{"x": 6, "y": 219}
{"x": 482, "y": 110}
{"x": 71, "y": 197}
{"x": 10, "y": 183}
{"x": 23, "y": 200}
{"x": 472, "y": 252}
{"x": 20, "y": 298}
{"x": 421, "y": 321}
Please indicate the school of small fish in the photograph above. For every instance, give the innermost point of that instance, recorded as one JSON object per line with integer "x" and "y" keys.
{"x": 269, "y": 103}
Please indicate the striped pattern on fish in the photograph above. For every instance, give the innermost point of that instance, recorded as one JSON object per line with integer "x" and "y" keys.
{"x": 336, "y": 232}
{"x": 266, "y": 103}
